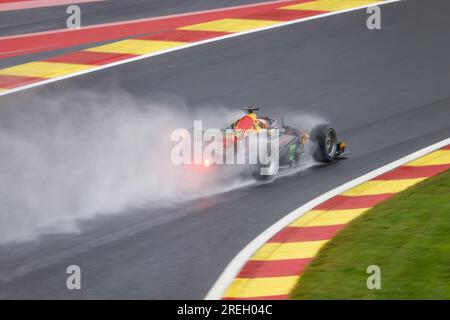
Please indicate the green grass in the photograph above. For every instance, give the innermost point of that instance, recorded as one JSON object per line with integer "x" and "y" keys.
{"x": 407, "y": 236}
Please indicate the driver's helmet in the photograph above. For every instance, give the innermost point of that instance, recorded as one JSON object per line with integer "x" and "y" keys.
{"x": 247, "y": 122}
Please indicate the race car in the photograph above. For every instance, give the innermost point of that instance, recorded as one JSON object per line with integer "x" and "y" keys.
{"x": 293, "y": 143}
{"x": 284, "y": 146}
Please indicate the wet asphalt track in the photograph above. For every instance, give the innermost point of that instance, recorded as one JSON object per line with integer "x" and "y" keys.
{"x": 386, "y": 91}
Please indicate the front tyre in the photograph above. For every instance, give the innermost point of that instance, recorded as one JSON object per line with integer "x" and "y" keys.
{"x": 324, "y": 138}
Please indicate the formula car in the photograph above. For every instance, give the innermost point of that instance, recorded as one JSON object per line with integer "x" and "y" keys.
{"x": 285, "y": 146}
{"x": 292, "y": 142}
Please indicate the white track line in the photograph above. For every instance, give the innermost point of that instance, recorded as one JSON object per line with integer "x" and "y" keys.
{"x": 231, "y": 271}
{"x": 189, "y": 45}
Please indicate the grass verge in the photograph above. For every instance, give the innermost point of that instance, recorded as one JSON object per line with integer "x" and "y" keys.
{"x": 407, "y": 236}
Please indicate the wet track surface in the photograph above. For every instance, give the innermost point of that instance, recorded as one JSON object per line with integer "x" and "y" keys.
{"x": 386, "y": 91}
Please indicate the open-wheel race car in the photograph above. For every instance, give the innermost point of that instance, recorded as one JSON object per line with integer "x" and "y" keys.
{"x": 285, "y": 147}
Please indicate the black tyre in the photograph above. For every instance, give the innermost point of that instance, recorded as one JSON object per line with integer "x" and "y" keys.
{"x": 324, "y": 138}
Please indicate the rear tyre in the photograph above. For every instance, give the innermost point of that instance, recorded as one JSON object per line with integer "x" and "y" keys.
{"x": 324, "y": 138}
